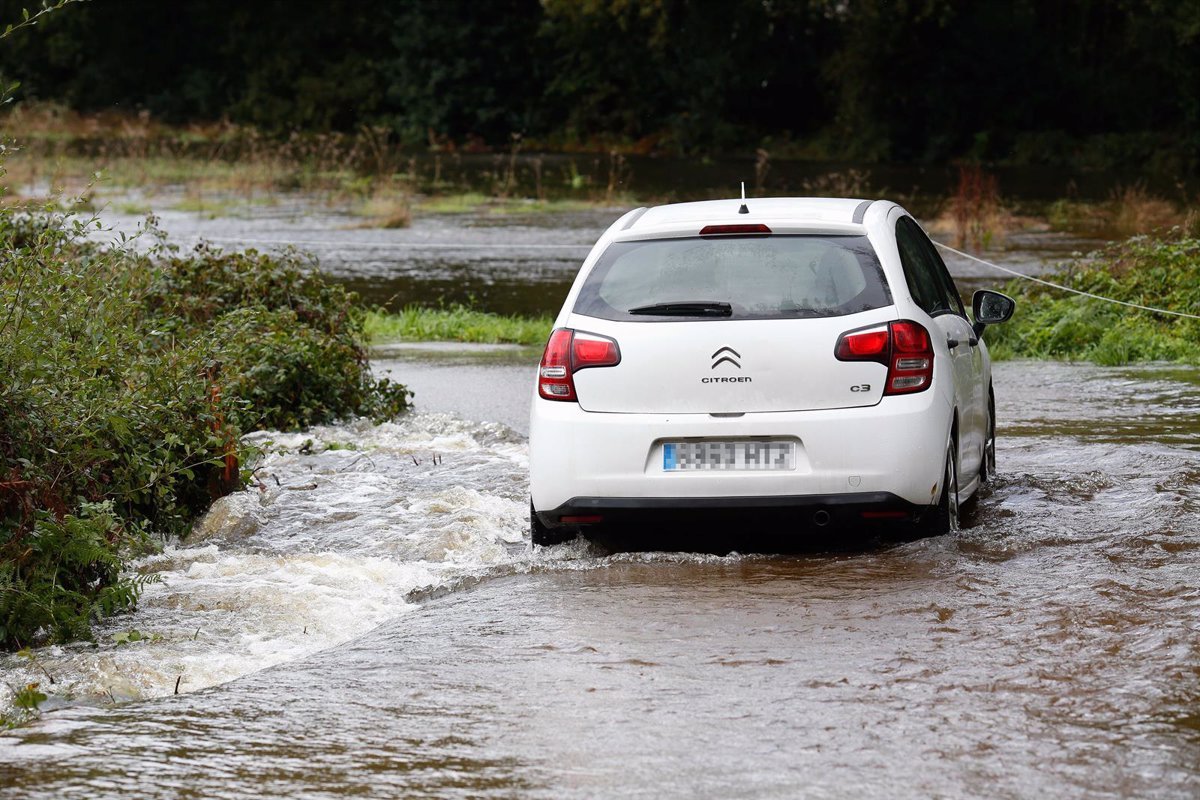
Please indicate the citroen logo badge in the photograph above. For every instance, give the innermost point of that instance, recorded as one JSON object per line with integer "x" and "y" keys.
{"x": 730, "y": 357}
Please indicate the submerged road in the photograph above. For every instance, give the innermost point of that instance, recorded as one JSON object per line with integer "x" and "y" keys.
{"x": 1048, "y": 650}
{"x": 481, "y": 384}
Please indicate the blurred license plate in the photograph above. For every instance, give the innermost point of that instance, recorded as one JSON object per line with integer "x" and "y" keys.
{"x": 769, "y": 455}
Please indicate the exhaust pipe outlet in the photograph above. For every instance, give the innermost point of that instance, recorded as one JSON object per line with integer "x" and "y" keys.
{"x": 821, "y": 518}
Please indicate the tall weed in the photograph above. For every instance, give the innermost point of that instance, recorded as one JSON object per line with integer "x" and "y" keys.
{"x": 979, "y": 215}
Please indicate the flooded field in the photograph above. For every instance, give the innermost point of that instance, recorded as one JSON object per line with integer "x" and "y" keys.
{"x": 510, "y": 262}
{"x": 369, "y": 621}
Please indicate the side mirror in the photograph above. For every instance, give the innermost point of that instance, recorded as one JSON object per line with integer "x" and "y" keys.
{"x": 989, "y": 308}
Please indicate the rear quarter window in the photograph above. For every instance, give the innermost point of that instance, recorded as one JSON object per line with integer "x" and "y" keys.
{"x": 929, "y": 281}
{"x": 762, "y": 277}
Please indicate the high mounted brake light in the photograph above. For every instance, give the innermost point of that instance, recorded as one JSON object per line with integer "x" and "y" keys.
{"x": 566, "y": 353}
{"x": 734, "y": 230}
{"x": 903, "y": 347}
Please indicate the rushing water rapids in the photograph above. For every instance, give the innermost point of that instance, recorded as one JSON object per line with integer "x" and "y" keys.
{"x": 396, "y": 637}
{"x": 328, "y": 544}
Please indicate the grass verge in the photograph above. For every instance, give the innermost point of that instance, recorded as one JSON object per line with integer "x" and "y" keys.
{"x": 456, "y": 324}
{"x": 1162, "y": 271}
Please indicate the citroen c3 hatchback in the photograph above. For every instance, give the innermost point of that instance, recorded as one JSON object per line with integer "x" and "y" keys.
{"x": 808, "y": 358}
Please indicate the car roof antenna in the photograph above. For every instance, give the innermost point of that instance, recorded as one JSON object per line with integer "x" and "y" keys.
{"x": 743, "y": 209}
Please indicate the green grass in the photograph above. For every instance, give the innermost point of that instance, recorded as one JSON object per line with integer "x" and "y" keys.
{"x": 463, "y": 203}
{"x": 531, "y": 206}
{"x": 456, "y": 324}
{"x": 1162, "y": 272}
{"x": 476, "y": 203}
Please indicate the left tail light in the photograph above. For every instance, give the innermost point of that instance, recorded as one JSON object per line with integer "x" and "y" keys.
{"x": 567, "y": 352}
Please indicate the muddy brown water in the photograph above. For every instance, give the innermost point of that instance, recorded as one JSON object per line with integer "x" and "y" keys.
{"x": 372, "y": 623}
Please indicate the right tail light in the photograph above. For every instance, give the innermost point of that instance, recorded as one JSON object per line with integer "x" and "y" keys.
{"x": 904, "y": 347}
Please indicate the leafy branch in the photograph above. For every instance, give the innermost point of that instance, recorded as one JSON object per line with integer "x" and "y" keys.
{"x": 29, "y": 20}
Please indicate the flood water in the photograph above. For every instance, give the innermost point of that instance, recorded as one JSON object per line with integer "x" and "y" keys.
{"x": 371, "y": 622}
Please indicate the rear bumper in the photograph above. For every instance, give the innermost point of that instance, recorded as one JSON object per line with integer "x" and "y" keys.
{"x": 725, "y": 512}
{"x": 894, "y": 448}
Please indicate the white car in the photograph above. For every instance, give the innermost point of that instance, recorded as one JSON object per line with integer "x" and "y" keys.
{"x": 806, "y": 358}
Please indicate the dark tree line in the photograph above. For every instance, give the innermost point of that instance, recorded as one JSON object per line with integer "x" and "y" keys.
{"x": 905, "y": 80}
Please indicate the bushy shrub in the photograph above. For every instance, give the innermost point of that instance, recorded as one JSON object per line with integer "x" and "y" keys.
{"x": 129, "y": 379}
{"x": 197, "y": 288}
{"x": 285, "y": 374}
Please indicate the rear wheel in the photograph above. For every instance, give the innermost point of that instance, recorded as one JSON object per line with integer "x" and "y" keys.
{"x": 541, "y": 536}
{"x": 943, "y": 518}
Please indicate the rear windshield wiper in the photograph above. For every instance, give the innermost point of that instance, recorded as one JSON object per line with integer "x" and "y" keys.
{"x": 698, "y": 308}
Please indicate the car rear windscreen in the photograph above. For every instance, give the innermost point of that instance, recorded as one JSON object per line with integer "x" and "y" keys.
{"x": 759, "y": 277}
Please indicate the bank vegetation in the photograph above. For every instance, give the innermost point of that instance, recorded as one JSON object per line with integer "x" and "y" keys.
{"x": 1160, "y": 270}
{"x": 131, "y": 370}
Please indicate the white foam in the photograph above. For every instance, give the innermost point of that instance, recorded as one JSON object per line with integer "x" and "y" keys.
{"x": 327, "y": 546}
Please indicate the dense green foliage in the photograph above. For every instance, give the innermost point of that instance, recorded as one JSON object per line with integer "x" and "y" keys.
{"x": 907, "y": 80}
{"x": 64, "y": 572}
{"x": 457, "y": 324}
{"x": 1162, "y": 272}
{"x": 129, "y": 379}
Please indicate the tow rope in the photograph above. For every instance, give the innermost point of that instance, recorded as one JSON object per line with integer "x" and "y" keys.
{"x": 1052, "y": 285}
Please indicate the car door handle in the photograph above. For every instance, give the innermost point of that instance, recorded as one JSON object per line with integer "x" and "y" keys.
{"x": 953, "y": 343}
